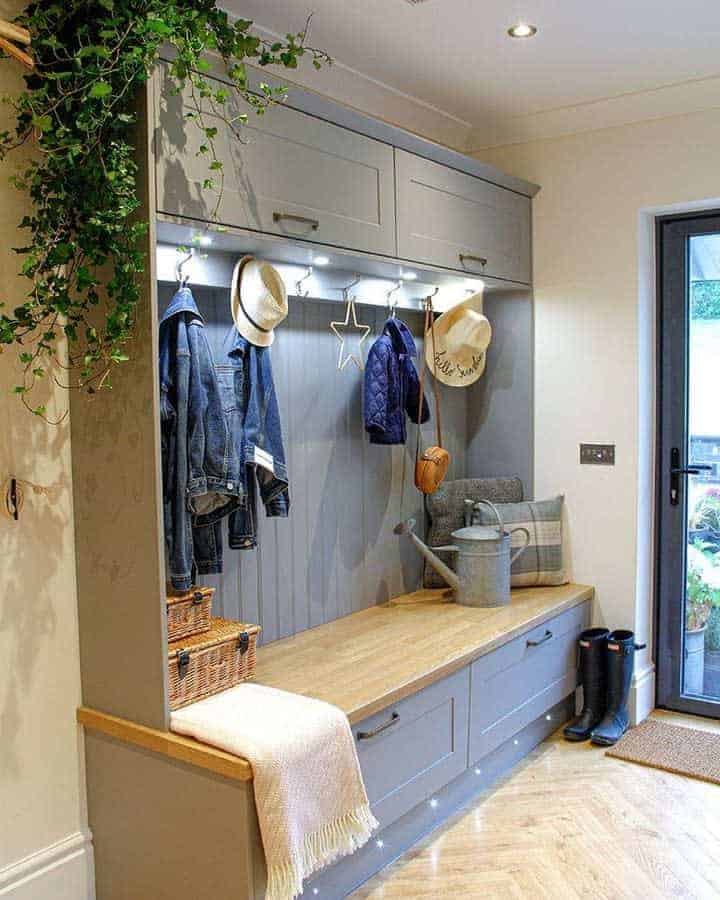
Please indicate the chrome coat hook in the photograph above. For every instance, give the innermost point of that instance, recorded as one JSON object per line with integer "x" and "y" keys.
{"x": 393, "y": 306}
{"x": 183, "y": 279}
{"x": 346, "y": 289}
{"x": 298, "y": 284}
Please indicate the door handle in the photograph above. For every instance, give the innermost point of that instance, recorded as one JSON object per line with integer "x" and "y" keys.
{"x": 676, "y": 470}
{"x": 301, "y": 220}
{"x": 366, "y": 735}
{"x": 463, "y": 257}
{"x": 547, "y": 637}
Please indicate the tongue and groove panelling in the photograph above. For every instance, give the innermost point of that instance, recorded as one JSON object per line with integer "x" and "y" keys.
{"x": 336, "y": 553}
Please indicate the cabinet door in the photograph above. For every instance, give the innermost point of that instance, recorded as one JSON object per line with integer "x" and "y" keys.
{"x": 513, "y": 685}
{"x": 451, "y": 219}
{"x": 289, "y": 174}
{"x": 414, "y": 747}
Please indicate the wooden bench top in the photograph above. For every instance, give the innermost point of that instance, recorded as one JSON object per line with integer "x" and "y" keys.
{"x": 366, "y": 661}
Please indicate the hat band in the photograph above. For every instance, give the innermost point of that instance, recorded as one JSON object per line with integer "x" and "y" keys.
{"x": 250, "y": 318}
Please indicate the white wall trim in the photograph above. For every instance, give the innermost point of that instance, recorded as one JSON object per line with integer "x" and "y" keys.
{"x": 642, "y": 694}
{"x": 62, "y": 871}
{"x": 684, "y": 98}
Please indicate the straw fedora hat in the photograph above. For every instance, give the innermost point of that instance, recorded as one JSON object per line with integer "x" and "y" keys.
{"x": 461, "y": 338}
{"x": 258, "y": 299}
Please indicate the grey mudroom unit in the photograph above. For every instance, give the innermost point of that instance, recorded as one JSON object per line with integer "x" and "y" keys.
{"x": 169, "y": 816}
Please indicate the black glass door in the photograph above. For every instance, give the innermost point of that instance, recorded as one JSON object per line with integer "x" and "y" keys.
{"x": 688, "y": 498}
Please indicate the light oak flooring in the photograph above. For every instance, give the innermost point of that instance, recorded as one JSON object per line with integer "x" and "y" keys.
{"x": 570, "y": 822}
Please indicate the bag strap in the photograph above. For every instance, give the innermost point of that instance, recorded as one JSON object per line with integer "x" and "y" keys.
{"x": 426, "y": 327}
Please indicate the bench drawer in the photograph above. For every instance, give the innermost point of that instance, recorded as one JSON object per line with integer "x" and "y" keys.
{"x": 414, "y": 747}
{"x": 515, "y": 684}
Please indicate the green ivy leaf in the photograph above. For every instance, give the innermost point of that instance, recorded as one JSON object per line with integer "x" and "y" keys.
{"x": 100, "y": 89}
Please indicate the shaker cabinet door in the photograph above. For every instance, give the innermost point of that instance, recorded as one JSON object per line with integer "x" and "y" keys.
{"x": 286, "y": 173}
{"x": 458, "y": 221}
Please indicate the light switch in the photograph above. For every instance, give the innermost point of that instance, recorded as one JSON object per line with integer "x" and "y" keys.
{"x": 597, "y": 454}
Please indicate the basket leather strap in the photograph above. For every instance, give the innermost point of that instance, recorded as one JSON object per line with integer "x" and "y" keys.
{"x": 428, "y": 326}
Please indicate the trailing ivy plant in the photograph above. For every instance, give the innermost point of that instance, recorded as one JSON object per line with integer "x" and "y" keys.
{"x": 75, "y": 122}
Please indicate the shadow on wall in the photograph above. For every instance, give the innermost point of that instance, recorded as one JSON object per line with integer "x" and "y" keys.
{"x": 34, "y": 550}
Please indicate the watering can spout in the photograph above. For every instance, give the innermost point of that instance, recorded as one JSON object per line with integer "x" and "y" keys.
{"x": 443, "y": 571}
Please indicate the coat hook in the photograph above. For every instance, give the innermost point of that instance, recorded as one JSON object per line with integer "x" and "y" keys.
{"x": 298, "y": 284}
{"x": 181, "y": 278}
{"x": 346, "y": 289}
{"x": 392, "y": 306}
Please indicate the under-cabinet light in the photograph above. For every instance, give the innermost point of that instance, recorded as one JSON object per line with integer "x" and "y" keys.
{"x": 516, "y": 742}
{"x": 478, "y": 771}
{"x": 549, "y": 718}
{"x": 316, "y": 891}
{"x": 409, "y": 276}
{"x": 205, "y": 240}
{"x": 522, "y": 30}
{"x": 474, "y": 284}
{"x": 321, "y": 261}
{"x": 434, "y": 802}
{"x": 380, "y": 843}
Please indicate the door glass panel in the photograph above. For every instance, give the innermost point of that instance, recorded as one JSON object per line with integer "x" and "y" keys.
{"x": 701, "y": 667}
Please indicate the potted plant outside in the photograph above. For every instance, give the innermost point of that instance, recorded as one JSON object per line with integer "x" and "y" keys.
{"x": 699, "y": 598}
{"x": 704, "y": 524}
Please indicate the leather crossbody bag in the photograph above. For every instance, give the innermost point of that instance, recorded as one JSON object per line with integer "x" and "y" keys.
{"x": 432, "y": 464}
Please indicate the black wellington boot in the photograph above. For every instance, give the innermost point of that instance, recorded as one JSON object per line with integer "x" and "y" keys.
{"x": 621, "y": 649}
{"x": 593, "y": 677}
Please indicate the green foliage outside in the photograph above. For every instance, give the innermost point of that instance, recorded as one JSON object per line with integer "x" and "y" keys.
{"x": 705, "y": 300}
{"x": 73, "y": 138}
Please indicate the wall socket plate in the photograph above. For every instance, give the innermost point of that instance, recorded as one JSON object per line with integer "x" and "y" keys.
{"x": 597, "y": 454}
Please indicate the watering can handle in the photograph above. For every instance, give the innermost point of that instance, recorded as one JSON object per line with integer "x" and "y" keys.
{"x": 524, "y": 547}
{"x": 501, "y": 526}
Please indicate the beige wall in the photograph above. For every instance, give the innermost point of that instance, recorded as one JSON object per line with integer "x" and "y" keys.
{"x": 593, "y": 292}
{"x": 41, "y": 782}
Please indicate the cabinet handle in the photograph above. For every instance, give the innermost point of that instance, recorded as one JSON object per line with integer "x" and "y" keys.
{"x": 548, "y": 635}
{"x": 302, "y": 220}
{"x": 468, "y": 257}
{"x": 366, "y": 735}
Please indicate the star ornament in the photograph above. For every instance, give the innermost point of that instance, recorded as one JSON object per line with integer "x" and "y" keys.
{"x": 339, "y": 329}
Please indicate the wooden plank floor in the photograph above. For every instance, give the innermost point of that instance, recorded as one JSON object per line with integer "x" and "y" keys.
{"x": 570, "y": 822}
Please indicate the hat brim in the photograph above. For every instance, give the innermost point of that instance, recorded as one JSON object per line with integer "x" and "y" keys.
{"x": 454, "y": 369}
{"x": 244, "y": 326}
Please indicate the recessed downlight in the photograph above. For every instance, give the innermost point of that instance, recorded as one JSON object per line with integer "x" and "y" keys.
{"x": 522, "y": 30}
{"x": 321, "y": 261}
{"x": 409, "y": 276}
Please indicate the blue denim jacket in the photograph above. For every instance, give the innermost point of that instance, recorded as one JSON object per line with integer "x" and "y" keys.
{"x": 247, "y": 373}
{"x": 202, "y": 471}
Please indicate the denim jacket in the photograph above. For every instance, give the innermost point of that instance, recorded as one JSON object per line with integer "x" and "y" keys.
{"x": 246, "y": 375}
{"x": 202, "y": 472}
{"x": 392, "y": 387}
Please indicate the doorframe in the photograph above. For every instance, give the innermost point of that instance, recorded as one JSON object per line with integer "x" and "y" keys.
{"x": 643, "y": 694}
{"x": 674, "y": 378}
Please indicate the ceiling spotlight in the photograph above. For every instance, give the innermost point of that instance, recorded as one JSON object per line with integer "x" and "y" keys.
{"x": 522, "y": 30}
{"x": 321, "y": 261}
{"x": 409, "y": 276}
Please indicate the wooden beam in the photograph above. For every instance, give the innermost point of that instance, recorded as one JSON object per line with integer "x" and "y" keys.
{"x": 165, "y": 743}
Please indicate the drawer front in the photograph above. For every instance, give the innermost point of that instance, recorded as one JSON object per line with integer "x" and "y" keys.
{"x": 294, "y": 175}
{"x": 446, "y": 217}
{"x": 423, "y": 749}
{"x": 515, "y": 684}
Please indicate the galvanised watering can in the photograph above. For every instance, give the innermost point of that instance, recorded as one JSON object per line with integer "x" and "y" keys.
{"x": 482, "y": 566}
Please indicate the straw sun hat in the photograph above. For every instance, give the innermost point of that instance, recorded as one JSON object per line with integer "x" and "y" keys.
{"x": 462, "y": 336}
{"x": 258, "y": 299}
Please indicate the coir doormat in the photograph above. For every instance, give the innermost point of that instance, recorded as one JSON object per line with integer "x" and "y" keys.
{"x": 685, "y": 751}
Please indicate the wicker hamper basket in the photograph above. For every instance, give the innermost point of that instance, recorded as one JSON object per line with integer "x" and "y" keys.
{"x": 188, "y": 612}
{"x": 209, "y": 663}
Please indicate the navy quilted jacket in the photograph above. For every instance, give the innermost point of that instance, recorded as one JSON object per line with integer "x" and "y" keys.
{"x": 392, "y": 387}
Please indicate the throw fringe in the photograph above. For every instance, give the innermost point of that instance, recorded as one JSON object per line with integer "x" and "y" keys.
{"x": 338, "y": 838}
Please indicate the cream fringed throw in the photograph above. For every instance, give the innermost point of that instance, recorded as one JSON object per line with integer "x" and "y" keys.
{"x": 311, "y": 802}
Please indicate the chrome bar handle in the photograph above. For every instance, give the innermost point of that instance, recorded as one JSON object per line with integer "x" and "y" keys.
{"x": 468, "y": 257}
{"x": 548, "y": 636}
{"x": 290, "y": 217}
{"x": 366, "y": 735}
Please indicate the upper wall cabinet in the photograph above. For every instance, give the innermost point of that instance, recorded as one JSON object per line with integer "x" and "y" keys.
{"x": 458, "y": 221}
{"x": 294, "y": 175}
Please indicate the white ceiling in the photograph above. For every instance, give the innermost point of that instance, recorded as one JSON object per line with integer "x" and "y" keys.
{"x": 455, "y": 56}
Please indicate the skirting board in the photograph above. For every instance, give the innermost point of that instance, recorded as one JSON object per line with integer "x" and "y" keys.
{"x": 642, "y": 694}
{"x": 62, "y": 871}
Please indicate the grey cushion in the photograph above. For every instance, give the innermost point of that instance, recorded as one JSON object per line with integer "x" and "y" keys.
{"x": 446, "y": 509}
{"x": 542, "y": 562}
